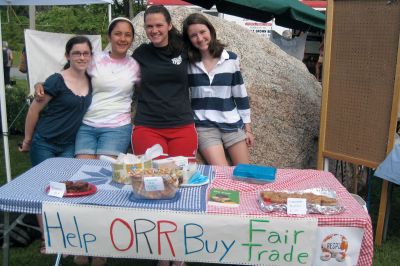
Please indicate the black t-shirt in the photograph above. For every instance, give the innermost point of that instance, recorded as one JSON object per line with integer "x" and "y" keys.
{"x": 163, "y": 96}
{"x": 62, "y": 118}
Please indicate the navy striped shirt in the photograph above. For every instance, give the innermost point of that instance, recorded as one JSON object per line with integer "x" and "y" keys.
{"x": 219, "y": 98}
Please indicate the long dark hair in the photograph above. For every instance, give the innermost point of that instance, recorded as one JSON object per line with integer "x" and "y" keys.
{"x": 175, "y": 44}
{"x": 76, "y": 40}
{"x": 215, "y": 47}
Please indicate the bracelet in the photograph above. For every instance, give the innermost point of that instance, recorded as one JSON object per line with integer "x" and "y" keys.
{"x": 26, "y": 142}
{"x": 248, "y": 131}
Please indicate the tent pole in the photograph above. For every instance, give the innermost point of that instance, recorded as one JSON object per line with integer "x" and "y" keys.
{"x": 109, "y": 13}
{"x": 32, "y": 17}
{"x": 4, "y": 123}
{"x": 6, "y": 150}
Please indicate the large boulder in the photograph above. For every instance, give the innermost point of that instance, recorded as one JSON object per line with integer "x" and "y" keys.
{"x": 284, "y": 96}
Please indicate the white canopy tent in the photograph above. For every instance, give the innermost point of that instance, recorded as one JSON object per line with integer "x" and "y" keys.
{"x": 2, "y": 87}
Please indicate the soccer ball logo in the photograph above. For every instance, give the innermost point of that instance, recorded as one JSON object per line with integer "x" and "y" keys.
{"x": 334, "y": 246}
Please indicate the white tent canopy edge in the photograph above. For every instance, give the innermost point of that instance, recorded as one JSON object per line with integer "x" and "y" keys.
{"x": 2, "y": 86}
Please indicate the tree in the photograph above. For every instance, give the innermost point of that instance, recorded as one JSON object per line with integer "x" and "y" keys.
{"x": 90, "y": 19}
{"x": 13, "y": 26}
{"x": 128, "y": 8}
{"x": 81, "y": 19}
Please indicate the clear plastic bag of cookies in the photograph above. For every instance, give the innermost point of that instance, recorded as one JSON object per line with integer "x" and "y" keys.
{"x": 155, "y": 183}
{"x": 319, "y": 200}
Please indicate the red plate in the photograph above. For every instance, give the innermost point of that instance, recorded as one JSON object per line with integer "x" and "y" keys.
{"x": 92, "y": 189}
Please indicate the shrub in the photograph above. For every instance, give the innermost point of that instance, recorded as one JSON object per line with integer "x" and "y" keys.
{"x": 17, "y": 107}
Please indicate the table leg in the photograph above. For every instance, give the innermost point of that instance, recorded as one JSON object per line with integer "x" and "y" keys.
{"x": 382, "y": 213}
{"x": 6, "y": 239}
{"x": 369, "y": 187}
{"x": 388, "y": 211}
{"x": 58, "y": 259}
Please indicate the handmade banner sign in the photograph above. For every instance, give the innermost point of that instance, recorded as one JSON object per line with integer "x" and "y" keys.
{"x": 154, "y": 234}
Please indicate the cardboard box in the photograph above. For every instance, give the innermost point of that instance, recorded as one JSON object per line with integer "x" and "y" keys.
{"x": 120, "y": 171}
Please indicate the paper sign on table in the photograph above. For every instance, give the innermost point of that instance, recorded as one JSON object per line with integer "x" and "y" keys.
{"x": 153, "y": 183}
{"x": 296, "y": 206}
{"x": 57, "y": 189}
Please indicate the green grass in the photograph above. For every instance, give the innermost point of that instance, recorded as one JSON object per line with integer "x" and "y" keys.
{"x": 31, "y": 256}
{"x": 384, "y": 255}
{"x": 19, "y": 161}
{"x": 16, "y": 58}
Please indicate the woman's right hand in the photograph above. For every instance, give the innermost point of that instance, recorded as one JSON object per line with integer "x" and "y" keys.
{"x": 39, "y": 92}
{"x": 25, "y": 146}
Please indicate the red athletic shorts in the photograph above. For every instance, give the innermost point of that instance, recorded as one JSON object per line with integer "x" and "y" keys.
{"x": 177, "y": 141}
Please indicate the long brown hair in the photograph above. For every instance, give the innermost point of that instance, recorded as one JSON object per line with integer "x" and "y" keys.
{"x": 215, "y": 47}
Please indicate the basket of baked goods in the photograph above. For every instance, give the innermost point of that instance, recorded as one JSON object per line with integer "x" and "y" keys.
{"x": 154, "y": 183}
{"x": 318, "y": 200}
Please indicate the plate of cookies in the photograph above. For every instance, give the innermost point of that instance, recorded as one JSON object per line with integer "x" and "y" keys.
{"x": 77, "y": 188}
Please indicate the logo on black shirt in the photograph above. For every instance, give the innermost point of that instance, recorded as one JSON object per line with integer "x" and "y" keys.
{"x": 177, "y": 60}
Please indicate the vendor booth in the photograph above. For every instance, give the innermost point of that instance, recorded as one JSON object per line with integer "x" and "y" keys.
{"x": 110, "y": 221}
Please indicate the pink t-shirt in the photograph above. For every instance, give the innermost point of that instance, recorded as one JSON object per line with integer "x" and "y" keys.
{"x": 113, "y": 83}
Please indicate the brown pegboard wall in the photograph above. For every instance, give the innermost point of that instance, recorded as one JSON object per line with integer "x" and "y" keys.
{"x": 363, "y": 61}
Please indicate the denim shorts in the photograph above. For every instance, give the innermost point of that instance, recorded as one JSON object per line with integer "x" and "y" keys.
{"x": 41, "y": 149}
{"x": 103, "y": 140}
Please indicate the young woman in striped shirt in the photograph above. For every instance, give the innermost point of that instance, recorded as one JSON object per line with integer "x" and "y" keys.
{"x": 219, "y": 98}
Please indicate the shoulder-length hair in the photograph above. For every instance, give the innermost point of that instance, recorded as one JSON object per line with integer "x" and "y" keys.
{"x": 215, "y": 47}
{"x": 70, "y": 44}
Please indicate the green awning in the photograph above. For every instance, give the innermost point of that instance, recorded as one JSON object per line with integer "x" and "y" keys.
{"x": 287, "y": 13}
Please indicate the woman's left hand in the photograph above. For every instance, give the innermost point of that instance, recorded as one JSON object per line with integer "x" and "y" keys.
{"x": 249, "y": 138}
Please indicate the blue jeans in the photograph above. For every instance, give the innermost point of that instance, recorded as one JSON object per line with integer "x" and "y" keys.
{"x": 103, "y": 140}
{"x": 41, "y": 149}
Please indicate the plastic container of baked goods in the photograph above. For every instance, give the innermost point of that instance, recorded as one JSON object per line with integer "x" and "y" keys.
{"x": 155, "y": 184}
{"x": 257, "y": 174}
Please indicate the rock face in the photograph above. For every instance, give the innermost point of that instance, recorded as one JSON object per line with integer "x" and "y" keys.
{"x": 284, "y": 96}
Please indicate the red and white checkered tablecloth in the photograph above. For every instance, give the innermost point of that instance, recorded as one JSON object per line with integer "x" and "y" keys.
{"x": 295, "y": 179}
